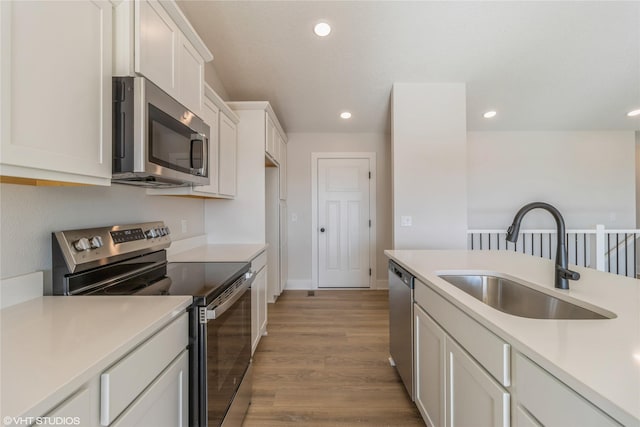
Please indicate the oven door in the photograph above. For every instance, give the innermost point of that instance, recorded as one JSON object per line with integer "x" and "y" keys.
{"x": 227, "y": 353}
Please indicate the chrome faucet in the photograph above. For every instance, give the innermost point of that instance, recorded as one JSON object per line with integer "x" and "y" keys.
{"x": 563, "y": 274}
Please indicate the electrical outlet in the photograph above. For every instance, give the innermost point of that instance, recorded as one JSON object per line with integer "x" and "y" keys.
{"x": 406, "y": 221}
{"x": 185, "y": 225}
{"x": 294, "y": 217}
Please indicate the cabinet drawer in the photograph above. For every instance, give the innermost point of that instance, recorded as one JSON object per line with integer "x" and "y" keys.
{"x": 124, "y": 381}
{"x": 550, "y": 401}
{"x": 259, "y": 262}
{"x": 486, "y": 347}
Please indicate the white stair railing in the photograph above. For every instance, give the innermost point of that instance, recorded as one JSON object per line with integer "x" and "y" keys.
{"x": 614, "y": 251}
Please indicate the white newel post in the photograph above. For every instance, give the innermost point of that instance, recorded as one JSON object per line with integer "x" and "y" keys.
{"x": 600, "y": 247}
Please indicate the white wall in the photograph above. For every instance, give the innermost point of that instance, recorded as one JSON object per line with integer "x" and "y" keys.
{"x": 588, "y": 176}
{"x": 213, "y": 79}
{"x": 637, "y": 178}
{"x": 429, "y": 165}
{"x": 242, "y": 220}
{"x": 299, "y": 150}
{"x": 28, "y": 216}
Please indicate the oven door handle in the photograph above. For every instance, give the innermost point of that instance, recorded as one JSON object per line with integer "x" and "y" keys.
{"x": 215, "y": 313}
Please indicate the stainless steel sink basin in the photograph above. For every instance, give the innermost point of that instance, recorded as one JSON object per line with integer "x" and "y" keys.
{"x": 517, "y": 299}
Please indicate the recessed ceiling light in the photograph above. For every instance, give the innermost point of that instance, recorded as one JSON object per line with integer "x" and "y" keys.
{"x": 322, "y": 29}
{"x": 489, "y": 114}
{"x": 345, "y": 115}
{"x": 634, "y": 113}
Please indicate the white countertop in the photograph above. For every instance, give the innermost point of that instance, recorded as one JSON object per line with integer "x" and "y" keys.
{"x": 52, "y": 345}
{"x": 600, "y": 359}
{"x": 219, "y": 253}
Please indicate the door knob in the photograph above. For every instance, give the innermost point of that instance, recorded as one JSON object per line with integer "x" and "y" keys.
{"x": 322, "y": 229}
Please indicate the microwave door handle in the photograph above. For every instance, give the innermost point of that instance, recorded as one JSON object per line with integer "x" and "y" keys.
{"x": 202, "y": 139}
{"x": 120, "y": 116}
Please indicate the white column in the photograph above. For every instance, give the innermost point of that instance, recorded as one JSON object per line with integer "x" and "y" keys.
{"x": 600, "y": 247}
{"x": 429, "y": 160}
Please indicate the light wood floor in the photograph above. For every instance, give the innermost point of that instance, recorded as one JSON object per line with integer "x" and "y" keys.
{"x": 325, "y": 363}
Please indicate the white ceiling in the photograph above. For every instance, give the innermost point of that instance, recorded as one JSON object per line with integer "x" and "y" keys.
{"x": 542, "y": 65}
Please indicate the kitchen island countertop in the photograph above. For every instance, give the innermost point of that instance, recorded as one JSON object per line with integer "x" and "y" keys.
{"x": 599, "y": 359}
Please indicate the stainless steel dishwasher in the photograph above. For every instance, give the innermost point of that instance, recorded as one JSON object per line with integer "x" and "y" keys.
{"x": 401, "y": 323}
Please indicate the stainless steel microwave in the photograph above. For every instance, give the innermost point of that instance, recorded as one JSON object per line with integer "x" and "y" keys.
{"x": 157, "y": 142}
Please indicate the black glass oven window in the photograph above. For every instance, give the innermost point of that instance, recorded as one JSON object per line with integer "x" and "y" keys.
{"x": 228, "y": 356}
{"x": 170, "y": 143}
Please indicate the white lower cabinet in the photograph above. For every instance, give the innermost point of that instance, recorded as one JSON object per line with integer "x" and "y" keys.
{"x": 430, "y": 368}
{"x": 474, "y": 398}
{"x": 81, "y": 408}
{"x": 258, "y": 300}
{"x": 165, "y": 403}
{"x": 452, "y": 389}
{"x": 465, "y": 375}
{"x": 551, "y": 403}
{"x": 522, "y": 418}
{"x": 149, "y": 386}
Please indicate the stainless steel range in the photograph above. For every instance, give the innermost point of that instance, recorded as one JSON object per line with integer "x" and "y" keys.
{"x": 132, "y": 260}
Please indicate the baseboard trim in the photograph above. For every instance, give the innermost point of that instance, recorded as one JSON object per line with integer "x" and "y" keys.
{"x": 382, "y": 284}
{"x": 298, "y": 285}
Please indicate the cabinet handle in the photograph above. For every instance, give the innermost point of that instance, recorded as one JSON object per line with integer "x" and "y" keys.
{"x": 322, "y": 229}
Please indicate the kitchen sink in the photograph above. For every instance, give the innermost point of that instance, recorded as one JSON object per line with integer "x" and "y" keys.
{"x": 520, "y": 300}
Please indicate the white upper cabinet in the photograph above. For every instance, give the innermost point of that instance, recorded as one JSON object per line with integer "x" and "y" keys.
{"x": 191, "y": 89}
{"x": 270, "y": 138}
{"x": 154, "y": 39}
{"x": 55, "y": 89}
{"x": 228, "y": 155}
{"x": 283, "y": 168}
{"x": 210, "y": 115}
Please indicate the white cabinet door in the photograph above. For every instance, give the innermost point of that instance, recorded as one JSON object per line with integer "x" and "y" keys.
{"x": 79, "y": 409}
{"x": 228, "y": 155}
{"x": 284, "y": 247}
{"x": 283, "y": 169}
{"x": 210, "y": 117}
{"x": 269, "y": 146}
{"x": 165, "y": 403}
{"x": 474, "y": 398}
{"x": 156, "y": 37}
{"x": 262, "y": 302}
{"x": 551, "y": 402}
{"x": 190, "y": 76}
{"x": 55, "y": 88}
{"x": 258, "y": 308}
{"x": 429, "y": 356}
{"x": 523, "y": 418}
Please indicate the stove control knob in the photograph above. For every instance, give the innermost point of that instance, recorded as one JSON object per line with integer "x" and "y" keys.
{"x": 167, "y": 231}
{"x": 96, "y": 242}
{"x": 162, "y": 231}
{"x": 151, "y": 233}
{"x": 82, "y": 244}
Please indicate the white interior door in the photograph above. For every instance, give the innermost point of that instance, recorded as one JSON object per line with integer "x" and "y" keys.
{"x": 343, "y": 223}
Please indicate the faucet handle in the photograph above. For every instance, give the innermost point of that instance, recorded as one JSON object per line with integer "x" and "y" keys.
{"x": 565, "y": 273}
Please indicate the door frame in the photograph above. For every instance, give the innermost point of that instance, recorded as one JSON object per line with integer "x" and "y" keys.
{"x": 371, "y": 156}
